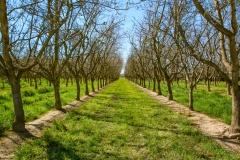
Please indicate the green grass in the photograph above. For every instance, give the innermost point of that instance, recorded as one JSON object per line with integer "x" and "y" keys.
{"x": 122, "y": 122}
{"x": 36, "y": 102}
{"x": 215, "y": 103}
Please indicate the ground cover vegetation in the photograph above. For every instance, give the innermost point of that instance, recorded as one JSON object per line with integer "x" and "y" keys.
{"x": 192, "y": 41}
{"x": 215, "y": 103}
{"x": 122, "y": 122}
{"x": 36, "y": 101}
{"x": 178, "y": 41}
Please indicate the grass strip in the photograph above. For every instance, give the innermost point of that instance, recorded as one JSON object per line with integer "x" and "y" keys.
{"x": 122, "y": 122}
{"x": 36, "y": 102}
{"x": 215, "y": 103}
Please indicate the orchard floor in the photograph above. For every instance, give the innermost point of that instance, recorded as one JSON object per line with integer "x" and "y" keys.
{"x": 207, "y": 125}
{"x": 12, "y": 140}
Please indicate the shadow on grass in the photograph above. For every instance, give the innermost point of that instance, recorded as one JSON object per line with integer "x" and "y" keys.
{"x": 131, "y": 123}
{"x": 229, "y": 140}
{"x": 62, "y": 110}
{"x": 56, "y": 150}
{"x": 23, "y": 135}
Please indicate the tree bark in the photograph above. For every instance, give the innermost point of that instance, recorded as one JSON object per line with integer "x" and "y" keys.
{"x": 98, "y": 84}
{"x": 159, "y": 87}
{"x": 191, "y": 96}
{"x": 19, "y": 124}
{"x": 78, "y": 88}
{"x": 31, "y": 82}
{"x": 67, "y": 79}
{"x": 185, "y": 83}
{"x": 149, "y": 84}
{"x": 215, "y": 81}
{"x": 228, "y": 88}
{"x": 92, "y": 84}
{"x": 154, "y": 85}
{"x": 208, "y": 85}
{"x": 235, "y": 125}
{"x": 101, "y": 85}
{"x": 86, "y": 84}
{"x": 35, "y": 83}
{"x": 40, "y": 81}
{"x": 58, "y": 104}
{"x": 169, "y": 87}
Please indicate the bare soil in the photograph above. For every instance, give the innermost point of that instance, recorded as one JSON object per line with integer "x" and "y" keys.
{"x": 12, "y": 140}
{"x": 207, "y": 125}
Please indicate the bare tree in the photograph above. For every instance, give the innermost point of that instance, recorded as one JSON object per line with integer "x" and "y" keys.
{"x": 26, "y": 41}
{"x": 224, "y": 20}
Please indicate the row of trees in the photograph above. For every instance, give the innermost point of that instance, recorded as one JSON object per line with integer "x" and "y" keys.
{"x": 189, "y": 40}
{"x": 57, "y": 38}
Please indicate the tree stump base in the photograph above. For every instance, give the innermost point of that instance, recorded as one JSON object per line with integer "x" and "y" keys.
{"x": 18, "y": 126}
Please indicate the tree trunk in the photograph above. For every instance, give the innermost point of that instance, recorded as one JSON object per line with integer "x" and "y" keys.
{"x": 185, "y": 82}
{"x": 106, "y": 82}
{"x": 235, "y": 125}
{"x": 159, "y": 87}
{"x": 149, "y": 84}
{"x": 169, "y": 87}
{"x": 178, "y": 81}
{"x": 31, "y": 82}
{"x": 208, "y": 85}
{"x": 86, "y": 84}
{"x": 195, "y": 81}
{"x": 92, "y": 84}
{"x": 215, "y": 82}
{"x": 228, "y": 89}
{"x": 40, "y": 81}
{"x": 144, "y": 83}
{"x": 101, "y": 83}
{"x": 78, "y": 88}
{"x": 67, "y": 79}
{"x": 71, "y": 80}
{"x": 98, "y": 84}
{"x": 191, "y": 97}
{"x": 154, "y": 85}
{"x": 19, "y": 124}
{"x": 35, "y": 83}
{"x": 58, "y": 104}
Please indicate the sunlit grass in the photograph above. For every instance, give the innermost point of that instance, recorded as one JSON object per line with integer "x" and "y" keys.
{"x": 36, "y": 102}
{"x": 122, "y": 122}
{"x": 215, "y": 103}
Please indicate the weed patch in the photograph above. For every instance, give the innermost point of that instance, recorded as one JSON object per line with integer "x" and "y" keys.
{"x": 28, "y": 93}
{"x": 45, "y": 90}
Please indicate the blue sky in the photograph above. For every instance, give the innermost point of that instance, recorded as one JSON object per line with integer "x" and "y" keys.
{"x": 128, "y": 25}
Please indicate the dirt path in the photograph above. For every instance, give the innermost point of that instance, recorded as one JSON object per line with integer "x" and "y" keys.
{"x": 12, "y": 140}
{"x": 207, "y": 125}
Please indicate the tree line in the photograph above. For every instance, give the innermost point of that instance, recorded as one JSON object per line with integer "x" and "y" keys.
{"x": 57, "y": 39}
{"x": 188, "y": 40}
